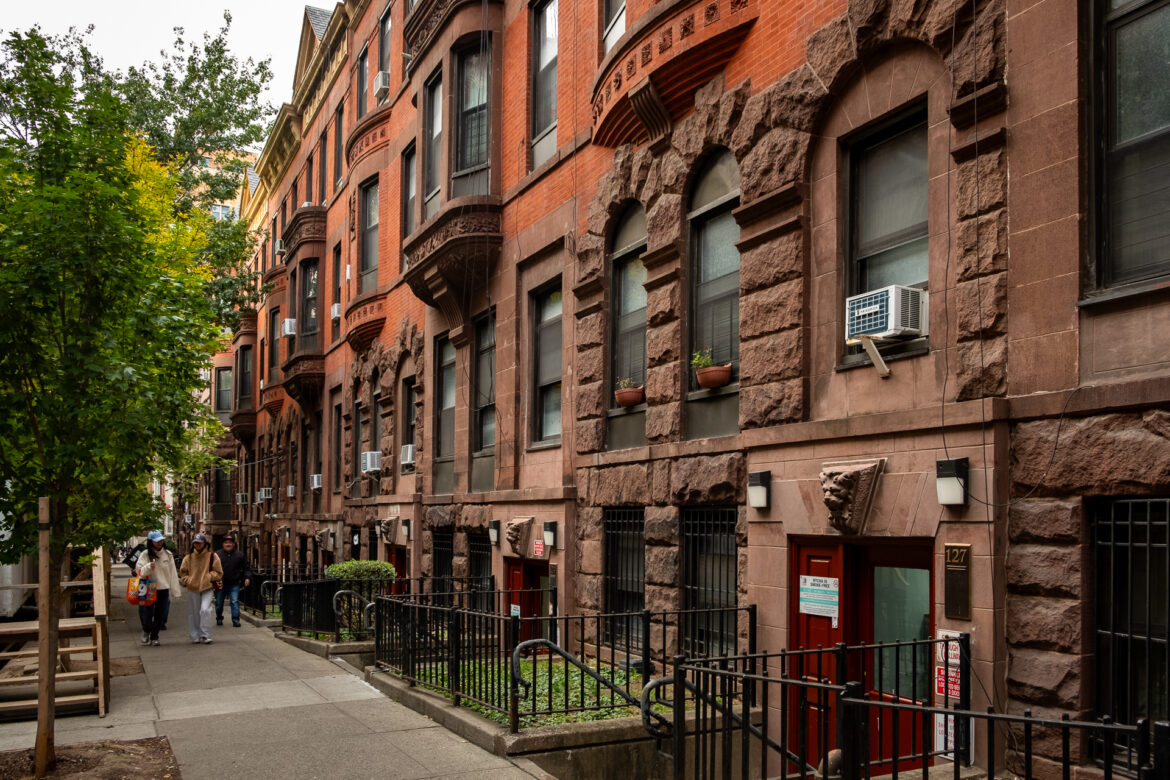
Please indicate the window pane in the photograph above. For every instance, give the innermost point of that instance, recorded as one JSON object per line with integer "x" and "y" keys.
{"x": 1143, "y": 71}
{"x": 409, "y": 187}
{"x": 434, "y": 136}
{"x": 473, "y": 113}
{"x": 309, "y": 303}
{"x": 717, "y": 251}
{"x": 363, "y": 74}
{"x": 615, "y": 21}
{"x": 544, "y": 92}
{"x": 550, "y": 307}
{"x": 906, "y": 264}
{"x": 631, "y": 290}
{"x": 1139, "y": 209}
{"x": 631, "y": 231}
{"x": 719, "y": 179}
{"x": 901, "y": 612}
{"x": 548, "y": 353}
{"x": 550, "y": 411}
{"x": 891, "y": 190}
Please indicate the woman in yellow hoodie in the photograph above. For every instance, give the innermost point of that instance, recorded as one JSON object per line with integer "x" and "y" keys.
{"x": 199, "y": 571}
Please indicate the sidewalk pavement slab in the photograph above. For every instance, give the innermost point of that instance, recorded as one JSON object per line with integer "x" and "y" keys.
{"x": 250, "y": 706}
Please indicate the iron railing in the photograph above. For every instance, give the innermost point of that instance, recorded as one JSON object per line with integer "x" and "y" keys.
{"x": 791, "y": 714}
{"x": 314, "y": 606}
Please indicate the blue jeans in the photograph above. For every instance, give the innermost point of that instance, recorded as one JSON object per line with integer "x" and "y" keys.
{"x": 234, "y": 592}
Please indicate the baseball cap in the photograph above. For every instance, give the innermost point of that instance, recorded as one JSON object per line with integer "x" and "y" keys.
{"x": 200, "y": 538}
{"x": 155, "y": 536}
{"x": 229, "y": 538}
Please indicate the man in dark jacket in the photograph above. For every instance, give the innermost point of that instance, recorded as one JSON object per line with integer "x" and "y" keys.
{"x": 235, "y": 574}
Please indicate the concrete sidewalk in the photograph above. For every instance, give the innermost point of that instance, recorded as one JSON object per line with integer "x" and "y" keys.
{"x": 250, "y": 706}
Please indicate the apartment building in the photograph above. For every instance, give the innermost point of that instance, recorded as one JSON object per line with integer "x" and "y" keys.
{"x": 928, "y": 245}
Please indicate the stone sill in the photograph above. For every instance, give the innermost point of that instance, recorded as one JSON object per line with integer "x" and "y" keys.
{"x": 521, "y": 496}
{"x": 1155, "y": 289}
{"x": 907, "y": 349}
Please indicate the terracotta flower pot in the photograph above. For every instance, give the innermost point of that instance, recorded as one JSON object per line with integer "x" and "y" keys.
{"x": 628, "y": 396}
{"x": 713, "y": 376}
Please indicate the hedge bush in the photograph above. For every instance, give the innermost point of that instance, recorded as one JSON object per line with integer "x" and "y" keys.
{"x": 361, "y": 570}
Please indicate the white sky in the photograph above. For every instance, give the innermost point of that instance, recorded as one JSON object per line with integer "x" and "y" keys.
{"x": 129, "y": 32}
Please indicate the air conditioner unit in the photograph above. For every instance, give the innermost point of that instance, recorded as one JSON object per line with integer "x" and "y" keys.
{"x": 889, "y": 313}
{"x": 382, "y": 84}
{"x": 278, "y": 246}
{"x": 288, "y": 327}
{"x": 241, "y": 499}
{"x": 406, "y": 456}
{"x": 335, "y": 311}
{"x": 315, "y": 482}
{"x": 371, "y": 462}
{"x": 306, "y": 203}
{"x": 264, "y": 494}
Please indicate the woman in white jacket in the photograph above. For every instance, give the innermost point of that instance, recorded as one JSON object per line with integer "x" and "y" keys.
{"x": 156, "y": 563}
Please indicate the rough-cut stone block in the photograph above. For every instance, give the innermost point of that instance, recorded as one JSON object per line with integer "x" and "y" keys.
{"x": 1111, "y": 454}
{"x": 590, "y": 400}
{"x": 980, "y": 56}
{"x": 982, "y": 369}
{"x": 797, "y": 99}
{"x": 830, "y": 50}
{"x": 663, "y": 598}
{"x": 1044, "y": 623}
{"x": 589, "y": 589}
{"x": 770, "y": 263}
{"x": 590, "y": 557}
{"x": 710, "y": 479}
{"x": 771, "y": 310}
{"x": 1044, "y": 678}
{"x": 660, "y": 481}
{"x": 443, "y": 516}
{"x": 662, "y": 304}
{"x": 590, "y": 364}
{"x": 664, "y": 221}
{"x": 662, "y": 344}
{"x": 673, "y": 172}
{"x": 589, "y": 522}
{"x": 772, "y": 404}
{"x": 474, "y": 517}
{"x": 1043, "y": 570}
{"x": 661, "y": 525}
{"x": 981, "y": 245}
{"x": 777, "y": 160}
{"x": 771, "y": 358}
{"x": 621, "y": 485}
{"x": 981, "y": 307}
{"x": 590, "y": 435}
{"x": 662, "y": 384}
{"x": 591, "y": 330}
{"x": 1045, "y": 521}
{"x": 663, "y": 422}
{"x": 982, "y": 184}
{"x": 662, "y": 564}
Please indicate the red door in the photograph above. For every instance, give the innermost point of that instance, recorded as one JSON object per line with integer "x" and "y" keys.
{"x": 527, "y": 586}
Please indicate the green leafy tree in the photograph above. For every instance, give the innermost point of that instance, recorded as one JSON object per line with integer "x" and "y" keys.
{"x": 108, "y": 311}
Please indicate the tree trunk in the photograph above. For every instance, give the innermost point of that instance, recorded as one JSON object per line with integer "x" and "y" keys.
{"x": 48, "y": 613}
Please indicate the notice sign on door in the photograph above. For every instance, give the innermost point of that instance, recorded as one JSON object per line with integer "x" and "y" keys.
{"x": 538, "y": 548}
{"x": 820, "y": 596}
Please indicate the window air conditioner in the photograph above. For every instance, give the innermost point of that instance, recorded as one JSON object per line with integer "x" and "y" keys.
{"x": 314, "y": 482}
{"x": 335, "y": 311}
{"x": 288, "y": 327}
{"x": 406, "y": 457}
{"x": 278, "y": 246}
{"x": 291, "y": 491}
{"x": 241, "y": 499}
{"x": 382, "y": 85}
{"x": 889, "y": 313}
{"x": 264, "y": 494}
{"x": 371, "y": 462}
{"x": 306, "y": 203}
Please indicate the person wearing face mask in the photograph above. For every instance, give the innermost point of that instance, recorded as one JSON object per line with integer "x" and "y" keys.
{"x": 200, "y": 571}
{"x": 156, "y": 563}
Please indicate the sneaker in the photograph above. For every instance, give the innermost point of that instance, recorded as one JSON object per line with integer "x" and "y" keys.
{"x": 195, "y": 641}
{"x": 155, "y": 642}
{"x": 219, "y": 621}
{"x": 145, "y": 638}
{"x": 207, "y": 640}
{"x": 236, "y": 623}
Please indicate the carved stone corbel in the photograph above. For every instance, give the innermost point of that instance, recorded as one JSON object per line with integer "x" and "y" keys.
{"x": 518, "y": 531}
{"x": 849, "y": 487}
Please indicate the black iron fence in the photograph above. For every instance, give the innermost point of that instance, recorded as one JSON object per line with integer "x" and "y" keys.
{"x": 796, "y": 714}
{"x": 535, "y": 667}
{"x": 330, "y": 607}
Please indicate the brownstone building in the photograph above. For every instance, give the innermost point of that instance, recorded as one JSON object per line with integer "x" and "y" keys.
{"x": 926, "y": 240}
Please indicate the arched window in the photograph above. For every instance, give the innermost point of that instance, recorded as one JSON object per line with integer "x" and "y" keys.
{"x": 715, "y": 260}
{"x": 629, "y": 297}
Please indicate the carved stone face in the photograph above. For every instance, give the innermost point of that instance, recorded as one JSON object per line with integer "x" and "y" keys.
{"x": 513, "y": 536}
{"x": 838, "y": 488}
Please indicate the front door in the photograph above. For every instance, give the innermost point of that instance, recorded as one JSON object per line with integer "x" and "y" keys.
{"x": 529, "y": 591}
{"x": 862, "y": 593}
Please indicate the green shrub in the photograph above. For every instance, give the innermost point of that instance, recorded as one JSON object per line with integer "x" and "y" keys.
{"x": 361, "y": 570}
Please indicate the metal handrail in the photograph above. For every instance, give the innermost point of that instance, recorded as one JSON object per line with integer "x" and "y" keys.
{"x": 367, "y": 608}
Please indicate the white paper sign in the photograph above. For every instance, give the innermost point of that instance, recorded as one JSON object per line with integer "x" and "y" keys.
{"x": 820, "y": 596}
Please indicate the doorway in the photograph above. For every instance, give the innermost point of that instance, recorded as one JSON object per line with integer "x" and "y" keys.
{"x": 862, "y": 593}
{"x": 528, "y": 590}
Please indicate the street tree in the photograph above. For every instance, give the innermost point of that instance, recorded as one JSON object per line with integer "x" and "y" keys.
{"x": 111, "y": 301}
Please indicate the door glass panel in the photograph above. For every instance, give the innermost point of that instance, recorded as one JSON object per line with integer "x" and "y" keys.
{"x": 901, "y": 612}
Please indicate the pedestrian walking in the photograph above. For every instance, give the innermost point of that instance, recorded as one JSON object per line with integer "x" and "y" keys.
{"x": 156, "y": 563}
{"x": 199, "y": 573}
{"x": 236, "y": 572}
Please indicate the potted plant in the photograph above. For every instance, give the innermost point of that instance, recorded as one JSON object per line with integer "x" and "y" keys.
{"x": 709, "y": 374}
{"x": 628, "y": 393}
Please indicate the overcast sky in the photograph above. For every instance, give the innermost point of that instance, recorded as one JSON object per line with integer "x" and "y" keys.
{"x": 129, "y": 32}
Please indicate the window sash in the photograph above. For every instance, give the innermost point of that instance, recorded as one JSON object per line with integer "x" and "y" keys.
{"x": 321, "y": 159}
{"x": 308, "y": 322}
{"x": 485, "y": 383}
{"x": 337, "y": 147}
{"x": 715, "y": 292}
{"x": 629, "y": 325}
{"x": 363, "y": 81}
{"x": 309, "y": 178}
{"x": 472, "y": 129}
{"x": 544, "y": 78}
{"x": 384, "y": 42}
{"x": 369, "y": 258}
{"x": 244, "y": 391}
{"x": 434, "y": 138}
{"x": 337, "y": 433}
{"x": 336, "y": 289}
{"x": 445, "y": 394}
{"x": 223, "y": 389}
{"x": 615, "y": 22}
{"x": 410, "y": 188}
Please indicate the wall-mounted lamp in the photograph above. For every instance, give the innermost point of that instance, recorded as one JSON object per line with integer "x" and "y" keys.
{"x": 332, "y": 540}
{"x": 406, "y": 528}
{"x": 759, "y": 492}
{"x": 550, "y": 534}
{"x": 951, "y": 481}
{"x": 355, "y": 537}
{"x": 494, "y": 532}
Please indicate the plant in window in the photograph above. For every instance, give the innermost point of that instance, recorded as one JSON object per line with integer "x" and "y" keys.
{"x": 707, "y": 373}
{"x": 627, "y": 393}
